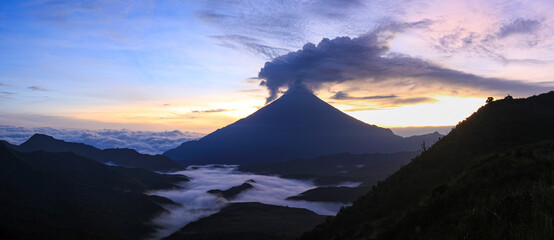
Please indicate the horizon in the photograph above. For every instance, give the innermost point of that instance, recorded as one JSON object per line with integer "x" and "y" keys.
{"x": 199, "y": 66}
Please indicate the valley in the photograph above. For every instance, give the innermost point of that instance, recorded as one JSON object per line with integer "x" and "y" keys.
{"x": 504, "y": 148}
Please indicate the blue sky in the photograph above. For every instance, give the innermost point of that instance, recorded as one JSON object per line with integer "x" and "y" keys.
{"x": 192, "y": 65}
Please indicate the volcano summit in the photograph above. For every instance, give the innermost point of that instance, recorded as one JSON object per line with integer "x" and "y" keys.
{"x": 297, "y": 125}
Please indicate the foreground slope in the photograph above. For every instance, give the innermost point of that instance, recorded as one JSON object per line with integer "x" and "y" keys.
{"x": 251, "y": 221}
{"x": 119, "y": 156}
{"x": 490, "y": 178}
{"x": 297, "y": 125}
{"x": 65, "y": 196}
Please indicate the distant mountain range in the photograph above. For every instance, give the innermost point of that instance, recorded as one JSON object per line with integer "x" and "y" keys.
{"x": 297, "y": 125}
{"x": 491, "y": 177}
{"x": 119, "y": 156}
{"x": 148, "y": 142}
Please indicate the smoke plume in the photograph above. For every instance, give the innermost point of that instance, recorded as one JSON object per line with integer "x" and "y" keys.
{"x": 369, "y": 59}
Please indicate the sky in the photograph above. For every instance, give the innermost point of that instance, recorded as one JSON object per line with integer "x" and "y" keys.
{"x": 200, "y": 65}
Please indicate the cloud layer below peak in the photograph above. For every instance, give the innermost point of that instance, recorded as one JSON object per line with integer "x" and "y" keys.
{"x": 142, "y": 141}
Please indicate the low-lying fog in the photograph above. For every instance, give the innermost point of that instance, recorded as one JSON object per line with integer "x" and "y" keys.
{"x": 197, "y": 203}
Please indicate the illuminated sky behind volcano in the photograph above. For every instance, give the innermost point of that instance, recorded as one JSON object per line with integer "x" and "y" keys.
{"x": 195, "y": 65}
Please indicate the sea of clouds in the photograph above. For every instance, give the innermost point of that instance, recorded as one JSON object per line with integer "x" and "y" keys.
{"x": 143, "y": 141}
{"x": 197, "y": 203}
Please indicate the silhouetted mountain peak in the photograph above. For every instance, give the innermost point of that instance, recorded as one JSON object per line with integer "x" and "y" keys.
{"x": 296, "y": 125}
{"x": 299, "y": 109}
{"x": 39, "y": 137}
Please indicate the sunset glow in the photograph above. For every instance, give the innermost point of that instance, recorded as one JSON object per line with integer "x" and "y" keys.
{"x": 194, "y": 66}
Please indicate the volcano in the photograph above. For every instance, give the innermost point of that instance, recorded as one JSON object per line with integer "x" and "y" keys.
{"x": 297, "y": 125}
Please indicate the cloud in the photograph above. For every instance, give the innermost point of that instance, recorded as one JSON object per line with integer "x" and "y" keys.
{"x": 345, "y": 96}
{"x": 59, "y": 12}
{"x": 291, "y": 23}
{"x": 211, "y": 110}
{"x": 37, "y": 88}
{"x": 7, "y": 95}
{"x": 491, "y": 42}
{"x": 142, "y": 141}
{"x": 368, "y": 59}
{"x": 414, "y": 100}
{"x": 252, "y": 44}
{"x": 212, "y": 16}
{"x": 386, "y": 103}
{"x": 197, "y": 203}
{"x": 519, "y": 26}
{"x": 251, "y": 90}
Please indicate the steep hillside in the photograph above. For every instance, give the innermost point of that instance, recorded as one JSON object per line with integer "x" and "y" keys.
{"x": 490, "y": 178}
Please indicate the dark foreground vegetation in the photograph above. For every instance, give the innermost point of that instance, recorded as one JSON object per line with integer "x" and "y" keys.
{"x": 491, "y": 178}
{"x": 66, "y": 196}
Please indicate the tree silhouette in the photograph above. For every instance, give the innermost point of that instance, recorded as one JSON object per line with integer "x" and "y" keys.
{"x": 423, "y": 147}
{"x": 489, "y": 100}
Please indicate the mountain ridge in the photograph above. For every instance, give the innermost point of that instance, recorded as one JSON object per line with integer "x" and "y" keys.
{"x": 119, "y": 156}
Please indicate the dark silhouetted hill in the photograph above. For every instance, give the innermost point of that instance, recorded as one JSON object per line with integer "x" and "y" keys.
{"x": 121, "y": 156}
{"x": 490, "y": 178}
{"x": 251, "y": 221}
{"x": 7, "y": 144}
{"x": 297, "y": 125}
{"x": 66, "y": 196}
{"x": 233, "y": 192}
{"x": 331, "y": 194}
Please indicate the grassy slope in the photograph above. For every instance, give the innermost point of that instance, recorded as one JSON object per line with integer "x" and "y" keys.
{"x": 397, "y": 206}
